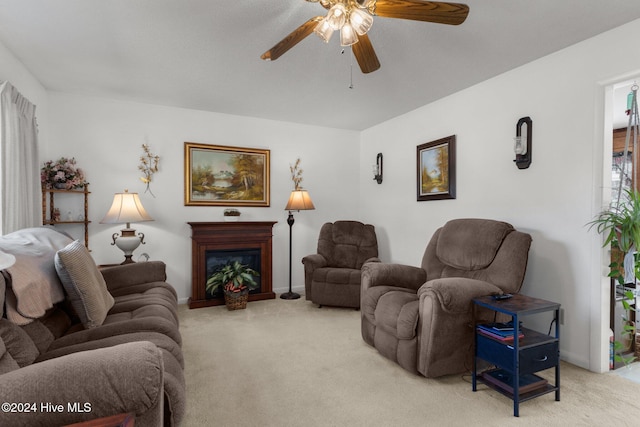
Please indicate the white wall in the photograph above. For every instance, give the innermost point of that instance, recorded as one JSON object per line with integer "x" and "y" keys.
{"x": 105, "y": 137}
{"x": 552, "y": 200}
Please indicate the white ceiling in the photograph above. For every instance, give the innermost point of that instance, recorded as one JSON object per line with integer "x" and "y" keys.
{"x": 205, "y": 54}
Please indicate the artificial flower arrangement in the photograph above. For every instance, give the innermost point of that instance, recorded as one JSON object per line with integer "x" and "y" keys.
{"x": 62, "y": 174}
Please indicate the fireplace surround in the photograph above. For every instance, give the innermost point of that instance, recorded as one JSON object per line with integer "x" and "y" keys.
{"x": 216, "y": 243}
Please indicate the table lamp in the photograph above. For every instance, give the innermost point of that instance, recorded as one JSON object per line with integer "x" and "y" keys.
{"x": 126, "y": 208}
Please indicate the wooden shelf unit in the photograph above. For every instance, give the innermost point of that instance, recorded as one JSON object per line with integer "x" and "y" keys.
{"x": 48, "y": 208}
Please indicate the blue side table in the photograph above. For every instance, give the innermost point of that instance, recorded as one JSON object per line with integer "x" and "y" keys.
{"x": 518, "y": 359}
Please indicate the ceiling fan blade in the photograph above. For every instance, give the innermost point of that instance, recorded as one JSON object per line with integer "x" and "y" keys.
{"x": 428, "y": 11}
{"x": 291, "y": 40}
{"x": 365, "y": 55}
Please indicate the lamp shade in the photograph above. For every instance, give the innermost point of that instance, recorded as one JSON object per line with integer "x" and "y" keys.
{"x": 337, "y": 16}
{"x": 360, "y": 20}
{"x": 6, "y": 260}
{"x": 126, "y": 208}
{"x": 299, "y": 200}
{"x": 324, "y": 30}
{"x": 348, "y": 36}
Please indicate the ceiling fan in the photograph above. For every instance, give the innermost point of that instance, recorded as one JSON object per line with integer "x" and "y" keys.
{"x": 353, "y": 18}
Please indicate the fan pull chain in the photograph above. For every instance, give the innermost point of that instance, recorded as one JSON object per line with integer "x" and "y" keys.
{"x": 350, "y": 67}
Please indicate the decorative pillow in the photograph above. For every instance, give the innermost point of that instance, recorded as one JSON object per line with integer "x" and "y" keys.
{"x": 84, "y": 284}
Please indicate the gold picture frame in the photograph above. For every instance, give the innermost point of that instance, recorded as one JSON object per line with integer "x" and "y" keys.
{"x": 218, "y": 175}
{"x": 436, "y": 169}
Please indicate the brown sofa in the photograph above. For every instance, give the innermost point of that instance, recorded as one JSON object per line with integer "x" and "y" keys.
{"x": 421, "y": 317}
{"x": 332, "y": 276}
{"x": 97, "y": 354}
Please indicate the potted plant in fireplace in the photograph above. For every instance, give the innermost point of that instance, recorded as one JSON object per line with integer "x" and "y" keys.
{"x": 236, "y": 280}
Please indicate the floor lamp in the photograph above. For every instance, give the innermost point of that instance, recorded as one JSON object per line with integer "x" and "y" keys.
{"x": 298, "y": 201}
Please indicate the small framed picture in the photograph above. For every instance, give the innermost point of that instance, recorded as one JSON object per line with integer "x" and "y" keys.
{"x": 217, "y": 175}
{"x": 436, "y": 169}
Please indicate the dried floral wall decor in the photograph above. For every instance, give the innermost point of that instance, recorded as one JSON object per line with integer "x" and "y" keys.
{"x": 148, "y": 165}
{"x": 296, "y": 174}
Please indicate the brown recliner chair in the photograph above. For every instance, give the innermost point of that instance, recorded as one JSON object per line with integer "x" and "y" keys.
{"x": 332, "y": 276}
{"x": 421, "y": 317}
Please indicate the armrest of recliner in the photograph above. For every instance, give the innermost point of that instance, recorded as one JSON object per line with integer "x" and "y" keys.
{"x": 446, "y": 323}
{"x": 86, "y": 385}
{"x": 311, "y": 263}
{"x": 399, "y": 275}
{"x": 455, "y": 293}
{"x": 121, "y": 276}
{"x": 314, "y": 261}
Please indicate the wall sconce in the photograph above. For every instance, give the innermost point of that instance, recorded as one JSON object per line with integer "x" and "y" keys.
{"x": 377, "y": 169}
{"x": 522, "y": 143}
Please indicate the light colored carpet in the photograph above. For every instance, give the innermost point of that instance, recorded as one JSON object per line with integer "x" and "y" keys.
{"x": 288, "y": 363}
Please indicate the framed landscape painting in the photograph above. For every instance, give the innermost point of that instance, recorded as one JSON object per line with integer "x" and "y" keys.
{"x": 217, "y": 175}
{"x": 436, "y": 169}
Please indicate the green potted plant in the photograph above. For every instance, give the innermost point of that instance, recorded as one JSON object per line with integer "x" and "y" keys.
{"x": 621, "y": 226}
{"x": 236, "y": 280}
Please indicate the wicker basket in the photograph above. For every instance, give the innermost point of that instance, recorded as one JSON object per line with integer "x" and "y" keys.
{"x": 236, "y": 300}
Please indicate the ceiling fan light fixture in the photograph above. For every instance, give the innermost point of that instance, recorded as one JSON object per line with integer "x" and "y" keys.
{"x": 366, "y": 4}
{"x": 337, "y": 16}
{"x": 354, "y": 19}
{"x": 324, "y": 30}
{"x": 360, "y": 20}
{"x": 348, "y": 35}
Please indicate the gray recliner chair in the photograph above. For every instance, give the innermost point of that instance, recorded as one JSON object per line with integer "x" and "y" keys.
{"x": 421, "y": 317}
{"x": 332, "y": 276}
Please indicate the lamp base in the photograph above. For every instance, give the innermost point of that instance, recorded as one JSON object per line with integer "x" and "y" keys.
{"x": 128, "y": 260}
{"x": 289, "y": 295}
{"x": 127, "y": 242}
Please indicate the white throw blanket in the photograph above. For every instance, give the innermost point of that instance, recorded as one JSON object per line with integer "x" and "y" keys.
{"x": 33, "y": 286}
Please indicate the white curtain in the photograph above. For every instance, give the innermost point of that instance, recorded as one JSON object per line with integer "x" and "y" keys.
{"x": 20, "y": 201}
